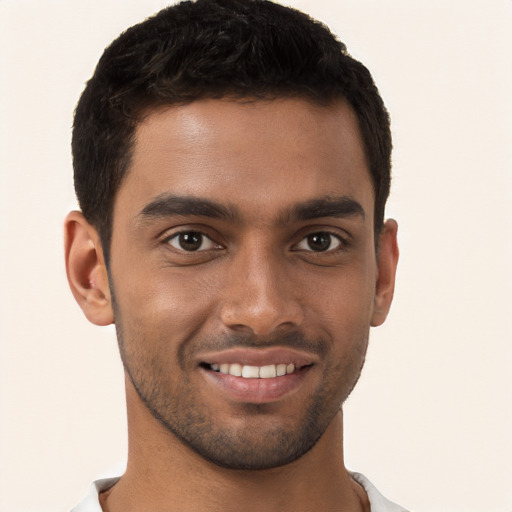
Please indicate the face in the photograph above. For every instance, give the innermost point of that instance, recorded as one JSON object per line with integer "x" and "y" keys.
{"x": 244, "y": 273}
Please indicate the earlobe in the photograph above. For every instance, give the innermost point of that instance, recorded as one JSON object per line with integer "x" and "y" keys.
{"x": 86, "y": 269}
{"x": 387, "y": 260}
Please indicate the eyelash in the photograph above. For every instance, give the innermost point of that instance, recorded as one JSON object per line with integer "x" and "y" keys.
{"x": 333, "y": 237}
{"x": 204, "y": 238}
{"x": 341, "y": 242}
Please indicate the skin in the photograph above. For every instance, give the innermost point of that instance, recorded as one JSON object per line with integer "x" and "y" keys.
{"x": 267, "y": 271}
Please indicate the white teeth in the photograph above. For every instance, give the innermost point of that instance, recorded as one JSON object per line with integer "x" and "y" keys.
{"x": 267, "y": 372}
{"x": 250, "y": 372}
{"x": 235, "y": 369}
{"x": 281, "y": 370}
{"x": 254, "y": 372}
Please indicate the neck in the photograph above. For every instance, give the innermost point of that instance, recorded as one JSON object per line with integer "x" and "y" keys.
{"x": 164, "y": 475}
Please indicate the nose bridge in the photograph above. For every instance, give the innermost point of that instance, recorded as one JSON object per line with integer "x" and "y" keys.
{"x": 259, "y": 293}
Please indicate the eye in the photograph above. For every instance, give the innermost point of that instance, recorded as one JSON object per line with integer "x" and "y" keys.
{"x": 191, "y": 241}
{"x": 319, "y": 242}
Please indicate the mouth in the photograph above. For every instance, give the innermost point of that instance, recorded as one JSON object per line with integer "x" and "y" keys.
{"x": 268, "y": 371}
{"x": 257, "y": 376}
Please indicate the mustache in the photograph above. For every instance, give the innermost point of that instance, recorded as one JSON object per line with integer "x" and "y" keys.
{"x": 295, "y": 339}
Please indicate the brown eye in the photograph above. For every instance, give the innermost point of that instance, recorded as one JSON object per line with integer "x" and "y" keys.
{"x": 319, "y": 242}
{"x": 191, "y": 241}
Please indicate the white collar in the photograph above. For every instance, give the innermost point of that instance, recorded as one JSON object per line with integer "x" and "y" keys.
{"x": 378, "y": 502}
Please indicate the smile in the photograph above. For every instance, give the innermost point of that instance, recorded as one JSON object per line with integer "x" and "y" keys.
{"x": 268, "y": 371}
{"x": 257, "y": 376}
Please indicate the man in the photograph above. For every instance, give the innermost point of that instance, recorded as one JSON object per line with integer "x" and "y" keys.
{"x": 232, "y": 166}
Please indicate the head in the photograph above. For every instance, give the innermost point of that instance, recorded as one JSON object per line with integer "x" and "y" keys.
{"x": 214, "y": 49}
{"x": 232, "y": 165}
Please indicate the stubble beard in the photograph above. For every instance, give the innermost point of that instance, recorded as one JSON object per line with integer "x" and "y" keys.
{"x": 231, "y": 446}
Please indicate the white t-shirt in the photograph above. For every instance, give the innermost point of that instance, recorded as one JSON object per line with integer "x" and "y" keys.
{"x": 378, "y": 502}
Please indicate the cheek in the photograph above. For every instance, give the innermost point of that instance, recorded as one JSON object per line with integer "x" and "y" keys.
{"x": 164, "y": 305}
{"x": 343, "y": 298}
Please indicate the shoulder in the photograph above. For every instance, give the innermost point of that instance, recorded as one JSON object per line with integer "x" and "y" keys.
{"x": 378, "y": 502}
{"x": 91, "y": 503}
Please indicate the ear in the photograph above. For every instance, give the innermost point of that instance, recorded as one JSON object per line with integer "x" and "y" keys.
{"x": 86, "y": 269}
{"x": 387, "y": 259}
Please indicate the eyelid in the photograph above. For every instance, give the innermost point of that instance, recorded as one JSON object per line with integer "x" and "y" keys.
{"x": 344, "y": 237}
{"x": 336, "y": 239}
{"x": 190, "y": 229}
{"x": 339, "y": 241}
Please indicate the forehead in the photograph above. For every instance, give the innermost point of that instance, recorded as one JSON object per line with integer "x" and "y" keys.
{"x": 257, "y": 156}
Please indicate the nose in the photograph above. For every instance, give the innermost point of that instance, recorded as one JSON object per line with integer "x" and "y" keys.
{"x": 259, "y": 297}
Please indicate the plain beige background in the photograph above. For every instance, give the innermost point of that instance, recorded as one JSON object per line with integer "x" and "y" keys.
{"x": 431, "y": 419}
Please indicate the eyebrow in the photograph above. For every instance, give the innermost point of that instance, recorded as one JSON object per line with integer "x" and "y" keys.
{"x": 338, "y": 207}
{"x": 168, "y": 205}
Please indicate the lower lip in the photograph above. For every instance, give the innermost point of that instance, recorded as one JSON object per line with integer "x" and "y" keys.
{"x": 257, "y": 391}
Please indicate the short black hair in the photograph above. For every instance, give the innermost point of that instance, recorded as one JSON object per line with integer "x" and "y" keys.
{"x": 214, "y": 49}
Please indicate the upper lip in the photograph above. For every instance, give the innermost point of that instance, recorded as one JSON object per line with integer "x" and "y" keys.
{"x": 259, "y": 357}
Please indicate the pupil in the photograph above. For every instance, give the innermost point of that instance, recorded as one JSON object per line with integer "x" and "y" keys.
{"x": 319, "y": 241}
{"x": 190, "y": 241}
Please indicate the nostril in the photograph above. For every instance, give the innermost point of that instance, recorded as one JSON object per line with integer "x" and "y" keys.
{"x": 261, "y": 310}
